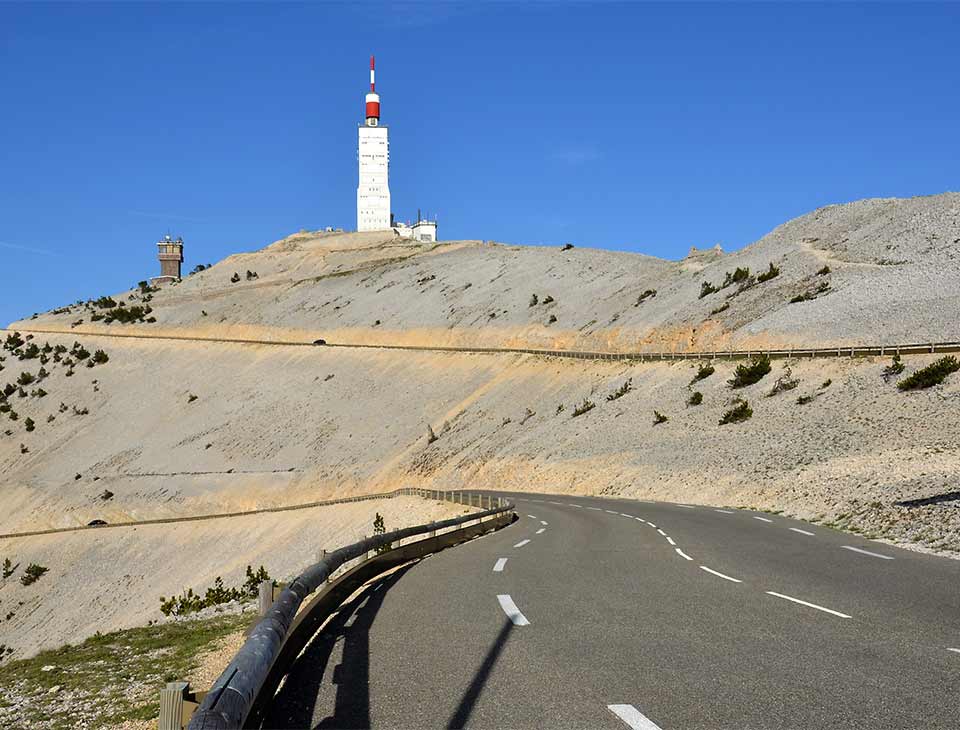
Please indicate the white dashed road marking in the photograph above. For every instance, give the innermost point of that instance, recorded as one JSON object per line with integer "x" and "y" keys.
{"x": 651, "y": 524}
{"x": 802, "y": 532}
{"x": 682, "y": 554}
{"x": 532, "y": 517}
{"x": 633, "y": 717}
{"x": 521, "y": 543}
{"x": 661, "y": 532}
{"x": 544, "y": 523}
{"x": 762, "y": 519}
{"x": 866, "y": 552}
{"x": 610, "y": 511}
{"x": 724, "y": 511}
{"x": 952, "y": 649}
{"x": 670, "y": 540}
{"x": 811, "y": 605}
{"x": 688, "y": 506}
{"x": 720, "y": 575}
{"x": 624, "y": 514}
{"x": 498, "y": 566}
{"x": 541, "y": 531}
{"x": 513, "y": 613}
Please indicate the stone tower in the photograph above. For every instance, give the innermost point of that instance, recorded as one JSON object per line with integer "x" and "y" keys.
{"x": 170, "y": 254}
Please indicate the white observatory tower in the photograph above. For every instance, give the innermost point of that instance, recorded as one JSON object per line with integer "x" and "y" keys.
{"x": 373, "y": 190}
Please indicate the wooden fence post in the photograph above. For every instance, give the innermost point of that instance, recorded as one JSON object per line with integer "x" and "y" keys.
{"x": 265, "y": 596}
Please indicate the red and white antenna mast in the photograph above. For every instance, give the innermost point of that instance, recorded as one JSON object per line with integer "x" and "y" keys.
{"x": 373, "y": 99}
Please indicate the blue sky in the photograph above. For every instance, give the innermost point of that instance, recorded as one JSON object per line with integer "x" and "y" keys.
{"x": 643, "y": 127}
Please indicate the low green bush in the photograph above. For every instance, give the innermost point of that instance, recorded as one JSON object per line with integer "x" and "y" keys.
{"x": 707, "y": 288}
{"x": 740, "y": 411}
{"x": 646, "y": 295}
{"x": 585, "y": 407}
{"x": 748, "y": 374}
{"x": 659, "y": 418}
{"x": 695, "y": 399}
{"x": 932, "y": 374}
{"x": 785, "y": 382}
{"x": 824, "y": 271}
{"x": 33, "y": 573}
{"x": 189, "y": 602}
{"x": 28, "y": 424}
{"x": 804, "y": 399}
{"x": 892, "y": 370}
{"x": 769, "y": 274}
{"x": 622, "y": 390}
{"x": 704, "y": 371}
{"x": 737, "y": 276}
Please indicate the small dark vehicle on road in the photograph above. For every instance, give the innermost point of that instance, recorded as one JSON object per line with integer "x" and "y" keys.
{"x": 96, "y": 523}
{"x": 319, "y": 342}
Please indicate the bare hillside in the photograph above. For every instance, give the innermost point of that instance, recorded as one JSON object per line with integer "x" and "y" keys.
{"x": 163, "y": 428}
{"x": 894, "y": 271}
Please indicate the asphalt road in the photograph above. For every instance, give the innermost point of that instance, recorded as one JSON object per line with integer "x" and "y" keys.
{"x": 605, "y": 613}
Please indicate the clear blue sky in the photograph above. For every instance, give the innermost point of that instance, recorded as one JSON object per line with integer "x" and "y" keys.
{"x": 642, "y": 127}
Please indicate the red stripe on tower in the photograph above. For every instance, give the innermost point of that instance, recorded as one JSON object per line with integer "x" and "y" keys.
{"x": 373, "y": 98}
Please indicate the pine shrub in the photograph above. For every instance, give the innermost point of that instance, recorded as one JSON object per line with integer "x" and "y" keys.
{"x": 932, "y": 374}
{"x": 748, "y": 374}
{"x": 740, "y": 411}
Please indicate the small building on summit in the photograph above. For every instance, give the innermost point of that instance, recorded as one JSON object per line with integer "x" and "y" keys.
{"x": 170, "y": 255}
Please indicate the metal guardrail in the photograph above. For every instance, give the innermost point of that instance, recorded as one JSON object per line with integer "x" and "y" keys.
{"x": 641, "y": 356}
{"x": 228, "y": 704}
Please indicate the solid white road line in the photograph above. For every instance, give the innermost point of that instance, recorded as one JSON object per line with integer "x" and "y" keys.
{"x": 670, "y": 540}
{"x": 811, "y": 605}
{"x": 720, "y": 575}
{"x": 513, "y": 613}
{"x": 802, "y": 532}
{"x": 866, "y": 552}
{"x": 544, "y": 523}
{"x": 541, "y": 531}
{"x": 724, "y": 511}
{"x": 682, "y": 554}
{"x": 762, "y": 519}
{"x": 498, "y": 566}
{"x": 521, "y": 543}
{"x": 633, "y": 717}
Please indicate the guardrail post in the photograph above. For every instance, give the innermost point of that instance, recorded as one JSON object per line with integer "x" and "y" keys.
{"x": 265, "y": 597}
{"x": 172, "y": 705}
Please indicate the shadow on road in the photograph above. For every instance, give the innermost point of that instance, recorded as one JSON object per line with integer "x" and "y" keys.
{"x": 295, "y": 705}
{"x": 472, "y": 694}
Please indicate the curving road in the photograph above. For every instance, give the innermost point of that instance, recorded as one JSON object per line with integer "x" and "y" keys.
{"x": 603, "y": 613}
